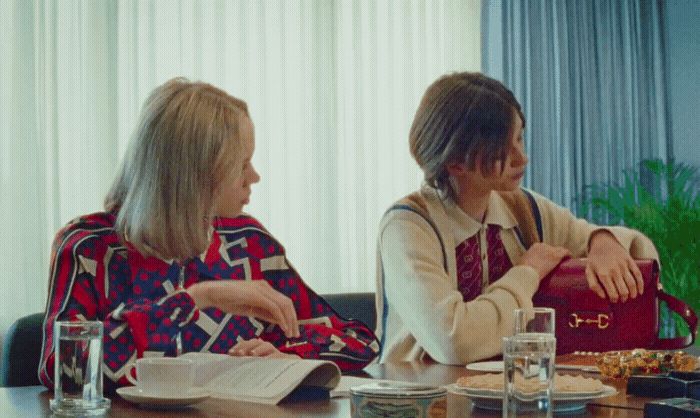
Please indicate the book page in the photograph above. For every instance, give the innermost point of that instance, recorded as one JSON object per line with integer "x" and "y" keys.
{"x": 259, "y": 379}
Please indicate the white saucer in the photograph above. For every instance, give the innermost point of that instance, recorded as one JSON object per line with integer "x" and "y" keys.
{"x": 136, "y": 395}
{"x": 497, "y": 367}
{"x": 558, "y": 395}
{"x": 563, "y": 401}
{"x": 486, "y": 366}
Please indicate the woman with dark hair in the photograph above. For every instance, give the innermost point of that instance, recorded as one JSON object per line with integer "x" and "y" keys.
{"x": 452, "y": 257}
{"x": 173, "y": 265}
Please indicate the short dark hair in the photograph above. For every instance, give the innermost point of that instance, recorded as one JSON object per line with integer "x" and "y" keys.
{"x": 462, "y": 115}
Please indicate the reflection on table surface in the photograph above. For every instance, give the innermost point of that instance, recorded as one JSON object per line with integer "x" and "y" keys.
{"x": 33, "y": 401}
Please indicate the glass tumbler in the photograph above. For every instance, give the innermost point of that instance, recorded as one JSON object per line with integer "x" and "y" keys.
{"x": 529, "y": 375}
{"x": 78, "y": 369}
{"x": 535, "y": 320}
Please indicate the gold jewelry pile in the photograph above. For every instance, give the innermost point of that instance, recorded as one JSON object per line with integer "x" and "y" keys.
{"x": 623, "y": 364}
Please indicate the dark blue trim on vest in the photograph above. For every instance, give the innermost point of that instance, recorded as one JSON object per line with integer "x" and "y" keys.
{"x": 430, "y": 222}
{"x": 520, "y": 236}
{"x": 385, "y": 302}
{"x": 535, "y": 213}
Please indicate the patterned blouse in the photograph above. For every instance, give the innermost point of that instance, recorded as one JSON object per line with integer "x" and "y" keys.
{"x": 145, "y": 309}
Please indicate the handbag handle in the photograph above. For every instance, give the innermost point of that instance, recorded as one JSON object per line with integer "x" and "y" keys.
{"x": 686, "y": 312}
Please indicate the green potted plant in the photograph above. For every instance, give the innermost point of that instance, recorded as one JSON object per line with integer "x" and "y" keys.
{"x": 661, "y": 200}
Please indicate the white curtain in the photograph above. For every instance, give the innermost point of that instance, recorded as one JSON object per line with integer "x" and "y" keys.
{"x": 332, "y": 87}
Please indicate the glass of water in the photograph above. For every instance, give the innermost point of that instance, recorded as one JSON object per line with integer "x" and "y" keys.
{"x": 78, "y": 369}
{"x": 529, "y": 375}
{"x": 535, "y": 320}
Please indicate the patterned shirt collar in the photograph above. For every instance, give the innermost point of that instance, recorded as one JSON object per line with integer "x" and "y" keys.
{"x": 465, "y": 227}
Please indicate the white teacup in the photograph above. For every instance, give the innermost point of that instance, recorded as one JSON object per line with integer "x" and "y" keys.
{"x": 163, "y": 376}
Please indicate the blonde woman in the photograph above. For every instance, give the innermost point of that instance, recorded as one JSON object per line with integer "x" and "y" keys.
{"x": 454, "y": 257}
{"x": 173, "y": 265}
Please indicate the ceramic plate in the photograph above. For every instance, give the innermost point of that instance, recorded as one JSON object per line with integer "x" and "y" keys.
{"x": 499, "y": 392}
{"x": 563, "y": 402}
{"x": 486, "y": 366}
{"x": 136, "y": 395}
{"x": 497, "y": 367}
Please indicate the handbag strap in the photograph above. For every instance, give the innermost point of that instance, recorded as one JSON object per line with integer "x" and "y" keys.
{"x": 686, "y": 312}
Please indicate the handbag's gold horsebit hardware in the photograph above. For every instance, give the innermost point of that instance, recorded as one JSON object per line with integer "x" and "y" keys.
{"x": 603, "y": 321}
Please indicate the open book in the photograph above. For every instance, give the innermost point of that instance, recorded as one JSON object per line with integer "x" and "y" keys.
{"x": 262, "y": 380}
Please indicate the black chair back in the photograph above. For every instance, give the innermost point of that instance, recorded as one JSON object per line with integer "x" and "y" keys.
{"x": 21, "y": 352}
{"x": 354, "y": 306}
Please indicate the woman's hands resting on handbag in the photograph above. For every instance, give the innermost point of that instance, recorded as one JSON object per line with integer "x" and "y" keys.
{"x": 611, "y": 272}
{"x": 611, "y": 269}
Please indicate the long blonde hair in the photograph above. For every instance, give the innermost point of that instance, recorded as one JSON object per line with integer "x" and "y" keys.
{"x": 186, "y": 143}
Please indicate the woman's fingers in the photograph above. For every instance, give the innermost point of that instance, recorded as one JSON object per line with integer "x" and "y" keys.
{"x": 241, "y": 348}
{"x": 282, "y": 309}
{"x": 286, "y": 308}
{"x": 245, "y": 347}
{"x": 607, "y": 282}
{"x": 615, "y": 269}
{"x": 593, "y": 282}
{"x": 618, "y": 279}
{"x": 630, "y": 282}
{"x": 268, "y": 303}
{"x": 638, "y": 278}
{"x": 291, "y": 314}
{"x": 263, "y": 349}
{"x": 264, "y": 314}
{"x": 267, "y": 316}
{"x": 543, "y": 258}
{"x": 260, "y": 305}
{"x": 254, "y": 347}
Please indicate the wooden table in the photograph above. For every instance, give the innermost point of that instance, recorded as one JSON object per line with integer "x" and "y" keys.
{"x": 33, "y": 401}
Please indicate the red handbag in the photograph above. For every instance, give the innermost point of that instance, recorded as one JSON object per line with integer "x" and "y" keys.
{"x": 585, "y": 322}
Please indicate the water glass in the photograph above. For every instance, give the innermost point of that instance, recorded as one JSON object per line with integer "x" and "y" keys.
{"x": 529, "y": 375}
{"x": 535, "y": 320}
{"x": 78, "y": 369}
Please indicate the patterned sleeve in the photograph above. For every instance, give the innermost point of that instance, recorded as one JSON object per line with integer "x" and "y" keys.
{"x": 324, "y": 334}
{"x": 134, "y": 326}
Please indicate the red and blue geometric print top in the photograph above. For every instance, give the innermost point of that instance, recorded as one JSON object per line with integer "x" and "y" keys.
{"x": 143, "y": 307}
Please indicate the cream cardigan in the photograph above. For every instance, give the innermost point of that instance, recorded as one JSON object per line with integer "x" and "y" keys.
{"x": 419, "y": 309}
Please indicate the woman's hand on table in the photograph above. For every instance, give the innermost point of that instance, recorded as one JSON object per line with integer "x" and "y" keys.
{"x": 611, "y": 269}
{"x": 254, "y": 298}
{"x": 258, "y": 348}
